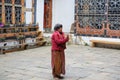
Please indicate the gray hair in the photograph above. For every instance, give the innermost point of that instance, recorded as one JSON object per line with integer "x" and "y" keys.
{"x": 57, "y": 26}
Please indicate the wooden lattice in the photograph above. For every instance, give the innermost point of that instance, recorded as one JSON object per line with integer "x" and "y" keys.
{"x": 98, "y": 18}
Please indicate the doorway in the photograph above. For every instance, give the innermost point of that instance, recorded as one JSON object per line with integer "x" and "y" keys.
{"x": 47, "y": 15}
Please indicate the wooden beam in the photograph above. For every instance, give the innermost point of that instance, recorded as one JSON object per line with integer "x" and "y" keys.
{"x": 13, "y": 11}
{"x": 104, "y": 42}
{"x": 23, "y": 11}
{"x": 33, "y": 11}
{"x": 3, "y": 12}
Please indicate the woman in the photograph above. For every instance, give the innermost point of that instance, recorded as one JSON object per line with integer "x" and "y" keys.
{"x": 58, "y": 56}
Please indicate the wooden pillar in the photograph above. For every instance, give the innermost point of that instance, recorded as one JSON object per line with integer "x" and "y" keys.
{"x": 3, "y": 12}
{"x": 13, "y": 11}
{"x": 33, "y": 11}
{"x": 77, "y": 17}
{"x": 23, "y": 11}
{"x": 34, "y": 6}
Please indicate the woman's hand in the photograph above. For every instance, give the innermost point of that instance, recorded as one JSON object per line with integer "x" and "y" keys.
{"x": 67, "y": 36}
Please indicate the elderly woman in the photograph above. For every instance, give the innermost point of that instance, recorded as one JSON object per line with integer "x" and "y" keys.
{"x": 58, "y": 56}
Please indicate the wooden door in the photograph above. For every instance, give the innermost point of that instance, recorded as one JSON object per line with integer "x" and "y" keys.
{"x": 47, "y": 15}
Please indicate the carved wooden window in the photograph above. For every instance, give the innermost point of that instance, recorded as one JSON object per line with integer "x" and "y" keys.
{"x": 8, "y": 1}
{"x": 0, "y": 9}
{"x": 12, "y": 12}
{"x": 114, "y": 14}
{"x": 8, "y": 14}
{"x": 0, "y": 13}
{"x": 17, "y": 14}
{"x": 98, "y": 17}
{"x": 17, "y": 1}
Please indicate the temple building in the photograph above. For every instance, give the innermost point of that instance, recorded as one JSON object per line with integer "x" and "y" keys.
{"x": 91, "y": 21}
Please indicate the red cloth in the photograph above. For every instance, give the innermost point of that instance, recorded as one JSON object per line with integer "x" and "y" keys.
{"x": 58, "y": 62}
{"x": 58, "y": 44}
{"x": 58, "y": 41}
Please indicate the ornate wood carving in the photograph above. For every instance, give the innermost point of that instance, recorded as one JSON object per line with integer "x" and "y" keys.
{"x": 12, "y": 11}
{"x": 98, "y": 17}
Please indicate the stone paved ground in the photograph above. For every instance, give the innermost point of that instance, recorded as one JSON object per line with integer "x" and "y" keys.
{"x": 82, "y": 63}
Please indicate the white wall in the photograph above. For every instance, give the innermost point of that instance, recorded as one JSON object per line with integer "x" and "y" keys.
{"x": 40, "y": 13}
{"x": 28, "y": 15}
{"x": 63, "y": 12}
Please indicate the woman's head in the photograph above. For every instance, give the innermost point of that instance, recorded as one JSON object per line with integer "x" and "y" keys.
{"x": 58, "y": 27}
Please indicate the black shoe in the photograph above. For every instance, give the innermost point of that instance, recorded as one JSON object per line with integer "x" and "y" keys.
{"x": 60, "y": 77}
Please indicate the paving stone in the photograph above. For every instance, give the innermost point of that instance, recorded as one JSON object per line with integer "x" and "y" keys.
{"x": 82, "y": 63}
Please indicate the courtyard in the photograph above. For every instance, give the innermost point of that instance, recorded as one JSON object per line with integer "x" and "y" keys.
{"x": 82, "y": 63}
